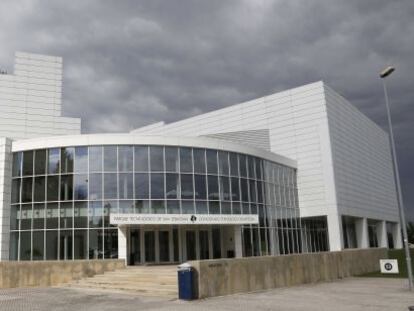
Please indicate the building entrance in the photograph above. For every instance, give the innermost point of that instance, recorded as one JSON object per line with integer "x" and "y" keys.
{"x": 170, "y": 244}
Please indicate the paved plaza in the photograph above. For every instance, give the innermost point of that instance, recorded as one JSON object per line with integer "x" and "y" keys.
{"x": 349, "y": 294}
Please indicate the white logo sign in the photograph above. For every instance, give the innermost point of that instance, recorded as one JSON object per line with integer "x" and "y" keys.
{"x": 182, "y": 219}
{"x": 389, "y": 265}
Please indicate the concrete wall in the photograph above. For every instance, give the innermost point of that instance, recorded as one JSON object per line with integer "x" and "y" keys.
{"x": 229, "y": 276}
{"x": 5, "y": 195}
{"x": 50, "y": 273}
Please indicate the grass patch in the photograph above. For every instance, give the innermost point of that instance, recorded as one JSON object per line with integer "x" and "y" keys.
{"x": 398, "y": 254}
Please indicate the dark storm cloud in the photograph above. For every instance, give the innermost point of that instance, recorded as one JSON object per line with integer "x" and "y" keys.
{"x": 131, "y": 63}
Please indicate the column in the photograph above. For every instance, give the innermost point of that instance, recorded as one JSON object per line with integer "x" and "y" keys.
{"x": 5, "y": 195}
{"x": 382, "y": 234}
{"x": 335, "y": 232}
{"x": 122, "y": 243}
{"x": 361, "y": 228}
{"x": 396, "y": 234}
{"x": 238, "y": 246}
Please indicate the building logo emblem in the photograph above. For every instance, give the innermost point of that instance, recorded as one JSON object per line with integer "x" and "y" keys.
{"x": 388, "y": 266}
{"x": 193, "y": 218}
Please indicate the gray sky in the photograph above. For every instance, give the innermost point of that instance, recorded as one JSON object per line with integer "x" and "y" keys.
{"x": 131, "y": 63}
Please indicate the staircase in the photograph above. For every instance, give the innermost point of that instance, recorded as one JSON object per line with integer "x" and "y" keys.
{"x": 160, "y": 281}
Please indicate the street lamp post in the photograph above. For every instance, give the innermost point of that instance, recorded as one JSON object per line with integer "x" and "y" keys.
{"x": 385, "y": 73}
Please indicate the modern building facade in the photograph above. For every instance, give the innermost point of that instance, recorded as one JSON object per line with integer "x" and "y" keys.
{"x": 297, "y": 171}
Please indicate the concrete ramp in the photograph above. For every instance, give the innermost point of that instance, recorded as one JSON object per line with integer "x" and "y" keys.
{"x": 156, "y": 281}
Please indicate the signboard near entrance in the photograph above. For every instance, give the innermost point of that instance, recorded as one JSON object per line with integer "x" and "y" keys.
{"x": 182, "y": 219}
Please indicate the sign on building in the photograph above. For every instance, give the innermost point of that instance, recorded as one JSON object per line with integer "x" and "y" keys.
{"x": 389, "y": 265}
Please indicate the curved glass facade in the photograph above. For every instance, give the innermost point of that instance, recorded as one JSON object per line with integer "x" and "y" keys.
{"x": 62, "y": 197}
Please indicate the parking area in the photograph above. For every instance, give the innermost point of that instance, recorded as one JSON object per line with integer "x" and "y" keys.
{"x": 349, "y": 294}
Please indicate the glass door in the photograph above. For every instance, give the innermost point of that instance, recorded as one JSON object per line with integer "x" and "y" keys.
{"x": 190, "y": 241}
{"x": 135, "y": 252}
{"x": 164, "y": 245}
{"x": 149, "y": 246}
{"x": 204, "y": 245}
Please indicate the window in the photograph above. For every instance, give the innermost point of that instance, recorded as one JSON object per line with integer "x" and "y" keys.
{"x": 110, "y": 186}
{"x": 81, "y": 187}
{"x": 95, "y": 212}
{"x": 110, "y": 159}
{"x": 172, "y": 186}
{"x": 66, "y": 187}
{"x": 17, "y": 164}
{"x": 157, "y": 159}
{"x": 223, "y": 163}
{"x": 141, "y": 159}
{"x": 95, "y": 159}
{"x": 67, "y": 155}
{"x": 39, "y": 189}
{"x": 81, "y": 160}
{"x": 200, "y": 187}
{"x": 186, "y": 160}
{"x": 125, "y": 158}
{"x": 213, "y": 190}
{"x": 95, "y": 186}
{"x": 187, "y": 191}
{"x": 27, "y": 163}
{"x": 141, "y": 185}
{"x": 157, "y": 186}
{"x": 171, "y": 159}
{"x": 199, "y": 161}
{"x": 40, "y": 162}
{"x": 211, "y": 161}
{"x": 126, "y": 186}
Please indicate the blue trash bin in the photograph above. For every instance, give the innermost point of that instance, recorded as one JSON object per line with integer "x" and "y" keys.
{"x": 185, "y": 282}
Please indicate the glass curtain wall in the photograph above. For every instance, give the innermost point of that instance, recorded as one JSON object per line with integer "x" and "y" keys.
{"x": 62, "y": 197}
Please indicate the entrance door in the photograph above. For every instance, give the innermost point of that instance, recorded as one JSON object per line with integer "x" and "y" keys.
{"x": 190, "y": 239}
{"x": 135, "y": 257}
{"x": 149, "y": 246}
{"x": 204, "y": 244}
{"x": 164, "y": 245}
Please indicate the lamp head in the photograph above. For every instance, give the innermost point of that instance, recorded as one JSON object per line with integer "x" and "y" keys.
{"x": 386, "y": 72}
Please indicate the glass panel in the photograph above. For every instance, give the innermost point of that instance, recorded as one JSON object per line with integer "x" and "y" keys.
{"x": 38, "y": 245}
{"x": 135, "y": 251}
{"x": 17, "y": 164}
{"x": 158, "y": 207}
{"x": 95, "y": 244}
{"x": 66, "y": 215}
{"x": 235, "y": 189}
{"x": 110, "y": 186}
{"x": 81, "y": 187}
{"x": 235, "y": 207}
{"x": 149, "y": 240}
{"x": 213, "y": 191}
{"x": 141, "y": 159}
{"x": 224, "y": 188}
{"x": 126, "y": 186}
{"x": 80, "y": 244}
{"x": 67, "y": 155}
{"x": 234, "y": 165}
{"x": 157, "y": 186}
{"x": 259, "y": 173}
{"x": 95, "y": 186}
{"x": 54, "y": 160}
{"x": 204, "y": 245}
{"x": 172, "y": 186}
{"x": 27, "y": 189}
{"x": 142, "y": 207}
{"x": 141, "y": 186}
{"x": 39, "y": 216}
{"x": 15, "y": 216}
{"x": 40, "y": 162}
{"x": 187, "y": 191}
{"x": 65, "y": 238}
{"x": 39, "y": 189}
{"x": 14, "y": 245}
{"x": 164, "y": 245}
{"x": 15, "y": 196}
{"x": 244, "y": 190}
{"x": 243, "y": 165}
{"x": 126, "y": 207}
{"x": 173, "y": 207}
{"x": 176, "y": 247}
{"x": 52, "y": 188}
{"x": 157, "y": 159}
{"x": 27, "y": 163}
{"x": 26, "y": 217}
{"x": 214, "y": 207}
{"x": 200, "y": 187}
{"x": 52, "y": 215}
{"x": 186, "y": 160}
{"x": 81, "y": 215}
{"x": 223, "y": 163}
{"x": 225, "y": 207}
{"x": 125, "y": 158}
{"x": 66, "y": 187}
{"x": 201, "y": 207}
{"x": 190, "y": 239}
{"x": 199, "y": 161}
{"x": 110, "y": 159}
{"x": 81, "y": 159}
{"x": 245, "y": 208}
{"x": 171, "y": 159}
{"x": 251, "y": 164}
{"x": 211, "y": 161}
{"x": 51, "y": 245}
{"x": 25, "y": 245}
{"x": 111, "y": 243}
{"x": 95, "y": 212}
{"x": 252, "y": 188}
{"x": 95, "y": 159}
{"x": 187, "y": 207}
{"x": 110, "y": 207}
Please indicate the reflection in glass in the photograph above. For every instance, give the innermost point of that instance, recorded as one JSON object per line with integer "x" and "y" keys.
{"x": 141, "y": 186}
{"x": 66, "y": 215}
{"x": 67, "y": 155}
{"x": 54, "y": 160}
{"x": 126, "y": 207}
{"x": 95, "y": 244}
{"x": 157, "y": 186}
{"x": 225, "y": 207}
{"x": 38, "y": 245}
{"x": 39, "y": 216}
{"x": 157, "y": 158}
{"x": 172, "y": 186}
{"x": 95, "y": 213}
{"x": 126, "y": 186}
{"x": 95, "y": 159}
{"x": 52, "y": 215}
{"x": 171, "y": 159}
{"x": 186, "y": 160}
{"x": 141, "y": 159}
{"x": 65, "y": 244}
{"x": 81, "y": 244}
{"x": 15, "y": 195}
{"x": 234, "y": 164}
{"x": 187, "y": 191}
{"x": 51, "y": 245}
{"x": 201, "y": 207}
{"x": 110, "y": 159}
{"x": 111, "y": 243}
{"x": 224, "y": 188}
{"x": 223, "y": 158}
{"x": 66, "y": 187}
{"x": 211, "y": 161}
{"x": 40, "y": 162}
{"x": 214, "y": 207}
{"x": 15, "y": 216}
{"x": 244, "y": 190}
{"x": 173, "y": 207}
{"x": 26, "y": 217}
{"x": 81, "y": 214}
{"x": 200, "y": 187}
{"x": 243, "y": 165}
{"x": 110, "y": 186}
{"x": 39, "y": 189}
{"x": 17, "y": 164}
{"x": 81, "y": 187}
{"x": 27, "y": 163}
{"x": 125, "y": 158}
{"x": 158, "y": 207}
{"x": 25, "y": 245}
{"x": 235, "y": 189}
{"x": 95, "y": 186}
{"x": 110, "y": 207}
{"x": 213, "y": 191}
{"x": 27, "y": 189}
{"x": 199, "y": 161}
{"x": 81, "y": 159}
{"x": 187, "y": 207}
{"x": 142, "y": 207}
{"x": 251, "y": 167}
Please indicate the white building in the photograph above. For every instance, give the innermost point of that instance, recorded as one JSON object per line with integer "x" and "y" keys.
{"x": 298, "y": 171}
